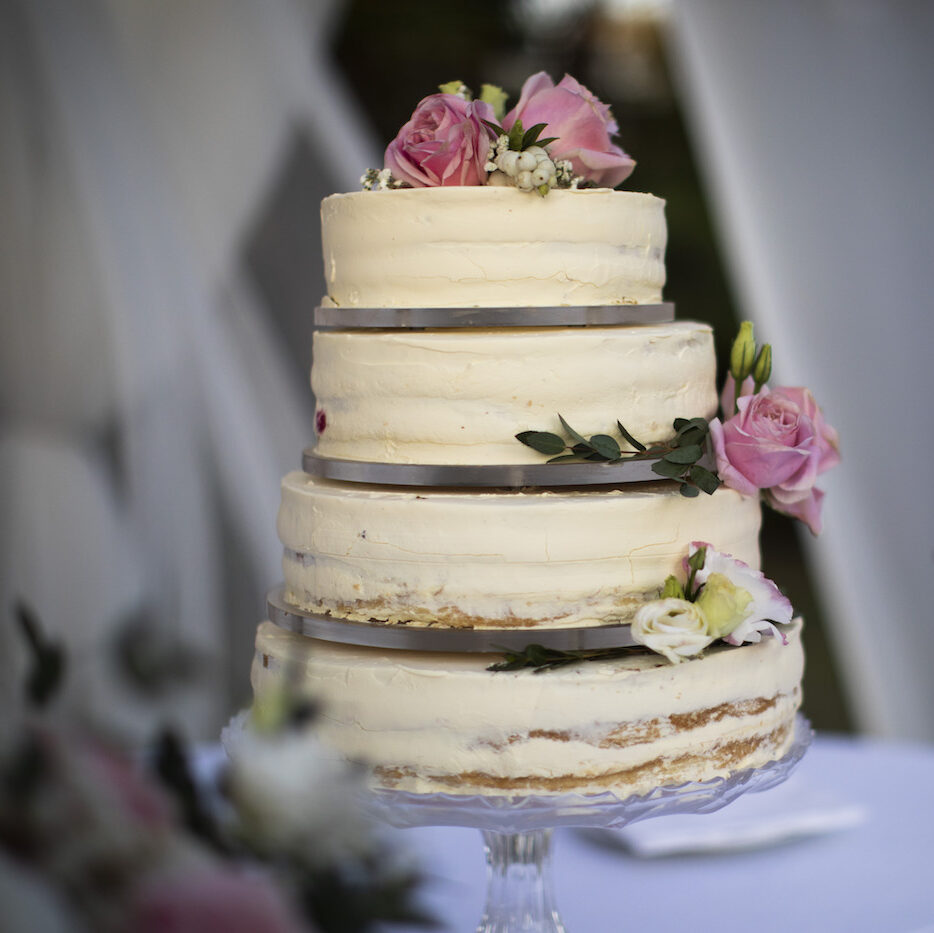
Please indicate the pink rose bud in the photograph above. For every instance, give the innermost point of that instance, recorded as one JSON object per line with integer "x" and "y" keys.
{"x": 444, "y": 143}
{"x": 582, "y": 124}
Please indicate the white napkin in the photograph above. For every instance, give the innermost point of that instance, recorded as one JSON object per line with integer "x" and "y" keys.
{"x": 793, "y": 809}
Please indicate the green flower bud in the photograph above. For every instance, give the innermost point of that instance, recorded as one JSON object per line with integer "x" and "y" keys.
{"x": 672, "y": 589}
{"x": 458, "y": 88}
{"x": 763, "y": 368}
{"x": 723, "y": 604}
{"x": 496, "y": 97}
{"x": 743, "y": 354}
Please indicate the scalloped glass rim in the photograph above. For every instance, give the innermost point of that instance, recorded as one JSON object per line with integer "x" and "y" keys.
{"x": 522, "y": 814}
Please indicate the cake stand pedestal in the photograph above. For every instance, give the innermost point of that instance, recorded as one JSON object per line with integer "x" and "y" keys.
{"x": 517, "y": 831}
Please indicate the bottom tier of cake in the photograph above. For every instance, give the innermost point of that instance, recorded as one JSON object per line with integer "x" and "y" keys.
{"x": 429, "y": 722}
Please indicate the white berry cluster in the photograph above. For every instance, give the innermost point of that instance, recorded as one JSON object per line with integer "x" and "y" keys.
{"x": 529, "y": 170}
{"x": 381, "y": 179}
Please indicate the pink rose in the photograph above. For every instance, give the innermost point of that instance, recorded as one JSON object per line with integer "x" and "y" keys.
{"x": 444, "y": 143}
{"x": 582, "y": 123}
{"x": 205, "y": 900}
{"x": 778, "y": 442}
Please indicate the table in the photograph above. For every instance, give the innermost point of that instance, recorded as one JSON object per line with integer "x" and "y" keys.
{"x": 876, "y": 877}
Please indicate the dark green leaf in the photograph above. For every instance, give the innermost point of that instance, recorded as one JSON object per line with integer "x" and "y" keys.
{"x": 565, "y": 458}
{"x": 667, "y": 469}
{"x": 628, "y": 438}
{"x": 690, "y": 436}
{"x": 688, "y": 454}
{"x": 548, "y": 659}
{"x": 542, "y": 441}
{"x": 582, "y": 450}
{"x": 704, "y": 479}
{"x": 532, "y": 134}
{"x": 680, "y": 424}
{"x": 496, "y": 128}
{"x": 547, "y": 141}
{"x": 689, "y": 492}
{"x": 577, "y": 438}
{"x": 605, "y": 445}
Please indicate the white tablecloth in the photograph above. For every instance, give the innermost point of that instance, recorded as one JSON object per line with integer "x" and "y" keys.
{"x": 876, "y": 877}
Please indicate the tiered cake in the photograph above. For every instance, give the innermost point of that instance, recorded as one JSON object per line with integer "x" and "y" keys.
{"x": 513, "y": 558}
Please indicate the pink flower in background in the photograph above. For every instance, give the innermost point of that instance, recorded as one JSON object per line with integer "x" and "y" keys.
{"x": 778, "y": 442}
{"x": 209, "y": 900}
{"x": 444, "y": 143}
{"x": 582, "y": 123}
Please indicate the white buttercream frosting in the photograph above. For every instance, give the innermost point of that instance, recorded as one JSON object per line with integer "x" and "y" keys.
{"x": 492, "y": 247}
{"x": 494, "y": 558}
{"x": 462, "y": 396}
{"x": 425, "y": 718}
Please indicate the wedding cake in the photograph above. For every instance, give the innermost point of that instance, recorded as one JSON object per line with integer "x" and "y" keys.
{"x": 471, "y": 214}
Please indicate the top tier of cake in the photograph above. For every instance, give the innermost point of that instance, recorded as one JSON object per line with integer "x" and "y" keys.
{"x": 487, "y": 247}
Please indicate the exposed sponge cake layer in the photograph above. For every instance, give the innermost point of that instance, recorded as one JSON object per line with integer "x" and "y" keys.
{"x": 496, "y": 558}
{"x": 431, "y": 722}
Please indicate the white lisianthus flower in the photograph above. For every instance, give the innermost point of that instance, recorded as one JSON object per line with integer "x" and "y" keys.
{"x": 671, "y": 627}
{"x": 767, "y": 607}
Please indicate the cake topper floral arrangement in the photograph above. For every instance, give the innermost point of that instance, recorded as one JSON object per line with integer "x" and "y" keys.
{"x": 557, "y": 135}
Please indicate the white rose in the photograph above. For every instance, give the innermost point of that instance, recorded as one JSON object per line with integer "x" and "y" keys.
{"x": 674, "y": 628}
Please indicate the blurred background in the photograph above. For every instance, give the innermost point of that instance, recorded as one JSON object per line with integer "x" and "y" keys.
{"x": 161, "y": 166}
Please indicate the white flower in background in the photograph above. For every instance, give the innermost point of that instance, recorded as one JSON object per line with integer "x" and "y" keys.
{"x": 672, "y": 627}
{"x": 294, "y": 794}
{"x": 766, "y": 605}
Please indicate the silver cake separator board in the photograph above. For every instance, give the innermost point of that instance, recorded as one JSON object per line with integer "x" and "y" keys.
{"x": 434, "y": 318}
{"x": 420, "y": 638}
{"x": 508, "y": 475}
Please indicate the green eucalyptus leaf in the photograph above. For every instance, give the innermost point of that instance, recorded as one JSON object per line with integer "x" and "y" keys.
{"x": 628, "y": 438}
{"x": 496, "y": 128}
{"x": 690, "y": 437}
{"x": 668, "y": 470}
{"x": 699, "y": 423}
{"x": 704, "y": 479}
{"x": 680, "y": 424}
{"x": 542, "y": 441}
{"x": 577, "y": 438}
{"x": 605, "y": 445}
{"x": 565, "y": 458}
{"x": 691, "y": 453}
{"x": 688, "y": 491}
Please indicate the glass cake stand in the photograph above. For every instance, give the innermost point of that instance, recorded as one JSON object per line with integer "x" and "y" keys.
{"x": 517, "y": 831}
